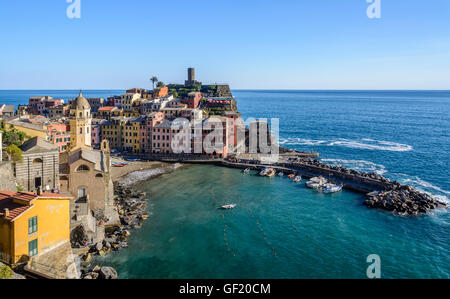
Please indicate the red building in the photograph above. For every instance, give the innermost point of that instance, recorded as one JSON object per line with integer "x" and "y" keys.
{"x": 192, "y": 99}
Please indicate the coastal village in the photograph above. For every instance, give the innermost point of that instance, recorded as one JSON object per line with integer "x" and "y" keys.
{"x": 60, "y": 205}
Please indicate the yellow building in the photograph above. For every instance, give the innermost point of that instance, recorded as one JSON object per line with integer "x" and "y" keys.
{"x": 29, "y": 128}
{"x": 131, "y": 135}
{"x": 112, "y": 131}
{"x": 128, "y": 99}
{"x": 32, "y": 225}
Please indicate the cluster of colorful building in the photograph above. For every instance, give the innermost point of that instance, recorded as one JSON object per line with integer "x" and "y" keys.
{"x": 139, "y": 121}
{"x": 63, "y": 180}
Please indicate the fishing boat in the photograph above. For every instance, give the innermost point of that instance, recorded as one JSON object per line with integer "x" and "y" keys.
{"x": 291, "y": 176}
{"x": 264, "y": 172}
{"x": 118, "y": 165}
{"x": 228, "y": 207}
{"x": 331, "y": 188}
{"x": 247, "y": 170}
{"x": 316, "y": 183}
{"x": 297, "y": 179}
{"x": 271, "y": 173}
{"x": 281, "y": 174}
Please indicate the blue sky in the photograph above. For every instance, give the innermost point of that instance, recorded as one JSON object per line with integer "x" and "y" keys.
{"x": 260, "y": 44}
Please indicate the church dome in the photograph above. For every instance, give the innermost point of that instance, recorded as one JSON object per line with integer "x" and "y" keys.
{"x": 80, "y": 103}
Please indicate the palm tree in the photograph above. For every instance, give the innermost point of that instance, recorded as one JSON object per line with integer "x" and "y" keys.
{"x": 154, "y": 79}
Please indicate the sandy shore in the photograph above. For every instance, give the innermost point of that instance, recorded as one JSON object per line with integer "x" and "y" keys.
{"x": 136, "y": 172}
{"x": 118, "y": 172}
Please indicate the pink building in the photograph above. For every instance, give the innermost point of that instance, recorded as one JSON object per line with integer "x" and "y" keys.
{"x": 162, "y": 137}
{"x": 41, "y": 105}
{"x": 59, "y": 135}
{"x": 146, "y": 130}
{"x": 192, "y": 99}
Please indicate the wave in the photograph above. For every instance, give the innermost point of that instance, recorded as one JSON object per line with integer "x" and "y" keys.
{"x": 371, "y": 144}
{"x": 359, "y": 165}
{"x": 300, "y": 141}
{"x": 425, "y": 187}
{"x": 366, "y": 143}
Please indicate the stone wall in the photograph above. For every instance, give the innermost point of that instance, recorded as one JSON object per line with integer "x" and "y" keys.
{"x": 38, "y": 165}
{"x": 7, "y": 179}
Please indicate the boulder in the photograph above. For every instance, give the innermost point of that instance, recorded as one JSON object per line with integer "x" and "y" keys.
{"x": 108, "y": 273}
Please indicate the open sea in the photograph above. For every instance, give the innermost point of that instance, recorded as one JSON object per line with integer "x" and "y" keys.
{"x": 284, "y": 230}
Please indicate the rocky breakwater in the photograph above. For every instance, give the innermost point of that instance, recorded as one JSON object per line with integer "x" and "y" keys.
{"x": 404, "y": 200}
{"x": 392, "y": 196}
{"x": 132, "y": 206}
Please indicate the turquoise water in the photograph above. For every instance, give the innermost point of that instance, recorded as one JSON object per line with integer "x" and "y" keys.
{"x": 313, "y": 235}
{"x": 404, "y": 135}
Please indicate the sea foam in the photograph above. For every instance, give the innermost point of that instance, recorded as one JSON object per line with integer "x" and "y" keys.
{"x": 366, "y": 143}
{"x": 359, "y": 165}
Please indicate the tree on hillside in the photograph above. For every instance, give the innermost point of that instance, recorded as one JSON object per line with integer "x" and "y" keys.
{"x": 13, "y": 136}
{"x": 154, "y": 79}
{"x": 14, "y": 153}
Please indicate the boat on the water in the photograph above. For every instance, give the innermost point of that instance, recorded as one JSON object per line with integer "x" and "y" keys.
{"x": 228, "y": 207}
{"x": 331, "y": 188}
{"x": 297, "y": 179}
{"x": 291, "y": 176}
{"x": 281, "y": 174}
{"x": 316, "y": 183}
{"x": 264, "y": 172}
{"x": 271, "y": 173}
{"x": 247, "y": 170}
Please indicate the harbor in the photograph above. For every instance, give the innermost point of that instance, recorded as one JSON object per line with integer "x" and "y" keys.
{"x": 380, "y": 192}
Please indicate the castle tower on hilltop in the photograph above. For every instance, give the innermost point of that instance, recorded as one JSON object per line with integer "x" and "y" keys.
{"x": 80, "y": 123}
{"x": 191, "y": 74}
{"x": 191, "y": 78}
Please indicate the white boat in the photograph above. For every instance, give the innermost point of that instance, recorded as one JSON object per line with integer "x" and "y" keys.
{"x": 316, "y": 183}
{"x": 331, "y": 188}
{"x": 297, "y": 179}
{"x": 264, "y": 172}
{"x": 281, "y": 174}
{"x": 228, "y": 207}
{"x": 247, "y": 171}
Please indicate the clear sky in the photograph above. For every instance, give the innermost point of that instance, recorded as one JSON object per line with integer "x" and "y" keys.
{"x": 250, "y": 44}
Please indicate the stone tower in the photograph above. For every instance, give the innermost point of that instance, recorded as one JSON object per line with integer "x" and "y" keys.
{"x": 191, "y": 74}
{"x": 80, "y": 123}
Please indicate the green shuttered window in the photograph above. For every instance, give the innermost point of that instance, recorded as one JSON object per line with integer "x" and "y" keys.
{"x": 32, "y": 225}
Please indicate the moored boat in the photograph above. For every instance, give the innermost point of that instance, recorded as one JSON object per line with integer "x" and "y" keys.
{"x": 271, "y": 173}
{"x": 247, "y": 170}
{"x": 297, "y": 179}
{"x": 228, "y": 207}
{"x": 316, "y": 183}
{"x": 331, "y": 188}
{"x": 291, "y": 176}
{"x": 281, "y": 174}
{"x": 264, "y": 172}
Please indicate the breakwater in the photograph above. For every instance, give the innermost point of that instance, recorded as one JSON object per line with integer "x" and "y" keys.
{"x": 381, "y": 192}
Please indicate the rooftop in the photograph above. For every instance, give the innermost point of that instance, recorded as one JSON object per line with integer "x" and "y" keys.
{"x": 37, "y": 145}
{"x": 19, "y": 202}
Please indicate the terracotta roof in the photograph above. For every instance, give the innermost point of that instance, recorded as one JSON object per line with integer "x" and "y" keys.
{"x": 16, "y": 209}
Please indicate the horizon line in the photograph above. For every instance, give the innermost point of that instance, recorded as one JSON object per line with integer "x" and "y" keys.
{"x": 236, "y": 89}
